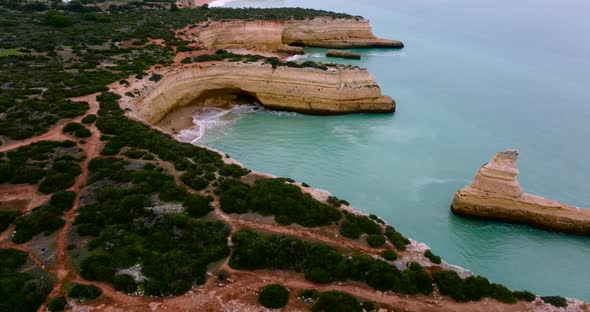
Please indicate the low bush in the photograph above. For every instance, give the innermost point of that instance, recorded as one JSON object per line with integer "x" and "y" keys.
{"x": 89, "y": 119}
{"x": 77, "y": 130}
{"x": 376, "y": 240}
{"x": 124, "y": 282}
{"x": 310, "y": 294}
{"x": 56, "y": 304}
{"x": 7, "y": 217}
{"x": 11, "y": 260}
{"x": 274, "y": 296}
{"x": 389, "y": 255}
{"x": 88, "y": 230}
{"x": 84, "y": 292}
{"x": 336, "y": 202}
{"x": 524, "y": 295}
{"x": 197, "y": 206}
{"x": 337, "y": 301}
{"x": 354, "y": 225}
{"x": 398, "y": 240}
{"x": 556, "y": 301}
{"x": 473, "y": 288}
{"x": 233, "y": 170}
{"x": 318, "y": 275}
{"x": 433, "y": 258}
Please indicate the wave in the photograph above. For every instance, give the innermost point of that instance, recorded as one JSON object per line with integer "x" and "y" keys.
{"x": 213, "y": 117}
{"x": 219, "y": 3}
{"x": 294, "y": 57}
{"x": 385, "y": 53}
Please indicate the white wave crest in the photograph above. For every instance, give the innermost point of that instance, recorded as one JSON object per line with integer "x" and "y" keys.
{"x": 219, "y": 3}
{"x": 294, "y": 57}
{"x": 213, "y": 117}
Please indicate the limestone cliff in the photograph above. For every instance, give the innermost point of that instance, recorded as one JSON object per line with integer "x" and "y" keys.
{"x": 496, "y": 194}
{"x": 337, "y": 90}
{"x": 262, "y": 34}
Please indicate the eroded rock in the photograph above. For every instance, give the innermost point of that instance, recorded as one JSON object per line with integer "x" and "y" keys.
{"x": 496, "y": 194}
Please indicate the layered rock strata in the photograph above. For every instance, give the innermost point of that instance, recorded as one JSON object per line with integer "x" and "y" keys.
{"x": 343, "y": 54}
{"x": 337, "y": 90}
{"x": 326, "y": 32}
{"x": 496, "y": 194}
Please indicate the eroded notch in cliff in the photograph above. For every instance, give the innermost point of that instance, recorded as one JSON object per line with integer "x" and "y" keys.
{"x": 224, "y": 97}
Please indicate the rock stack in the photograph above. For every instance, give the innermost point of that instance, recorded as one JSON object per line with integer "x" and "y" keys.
{"x": 496, "y": 194}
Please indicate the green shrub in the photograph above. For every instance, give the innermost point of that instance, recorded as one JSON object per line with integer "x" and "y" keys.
{"x": 318, "y": 275}
{"x": 524, "y": 295}
{"x": 7, "y": 217}
{"x": 88, "y": 119}
{"x": 473, "y": 288}
{"x": 274, "y": 296}
{"x": 197, "y": 206}
{"x": 389, "y": 255}
{"x": 557, "y": 301}
{"x": 349, "y": 229}
{"x": 84, "y": 292}
{"x": 233, "y": 170}
{"x": 336, "y": 301}
{"x": 397, "y": 239}
{"x": 57, "y": 19}
{"x": 83, "y": 133}
{"x": 125, "y": 283}
{"x": 11, "y": 260}
{"x": 88, "y": 230}
{"x": 376, "y": 240}
{"x": 56, "y": 304}
{"x": 433, "y": 258}
{"x": 310, "y": 294}
{"x": 502, "y": 294}
{"x": 72, "y": 127}
{"x": 353, "y": 226}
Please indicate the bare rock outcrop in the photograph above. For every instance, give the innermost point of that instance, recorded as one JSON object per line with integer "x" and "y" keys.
{"x": 324, "y": 32}
{"x": 337, "y": 90}
{"x": 343, "y": 54}
{"x": 496, "y": 194}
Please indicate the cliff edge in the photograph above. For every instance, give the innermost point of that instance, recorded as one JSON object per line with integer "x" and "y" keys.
{"x": 335, "y": 90}
{"x": 324, "y": 32}
{"x": 496, "y": 194}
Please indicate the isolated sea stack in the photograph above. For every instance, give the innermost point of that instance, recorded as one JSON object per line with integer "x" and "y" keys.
{"x": 496, "y": 194}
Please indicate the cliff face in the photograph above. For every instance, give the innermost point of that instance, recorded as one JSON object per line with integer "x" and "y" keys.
{"x": 495, "y": 194}
{"x": 337, "y": 90}
{"x": 261, "y": 34}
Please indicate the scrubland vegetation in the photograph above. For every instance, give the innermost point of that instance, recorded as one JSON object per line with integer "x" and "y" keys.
{"x": 323, "y": 264}
{"x": 20, "y": 291}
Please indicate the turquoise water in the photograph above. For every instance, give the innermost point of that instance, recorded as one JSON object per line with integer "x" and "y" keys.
{"x": 476, "y": 77}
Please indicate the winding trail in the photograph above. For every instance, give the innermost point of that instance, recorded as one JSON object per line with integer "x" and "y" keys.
{"x": 56, "y": 132}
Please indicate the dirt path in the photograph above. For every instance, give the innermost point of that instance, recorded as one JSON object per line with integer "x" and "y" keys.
{"x": 91, "y": 148}
{"x": 56, "y": 132}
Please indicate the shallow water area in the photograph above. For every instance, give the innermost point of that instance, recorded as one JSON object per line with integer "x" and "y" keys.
{"x": 474, "y": 78}
{"x": 208, "y": 118}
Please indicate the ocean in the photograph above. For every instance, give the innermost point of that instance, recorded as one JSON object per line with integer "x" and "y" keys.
{"x": 475, "y": 78}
